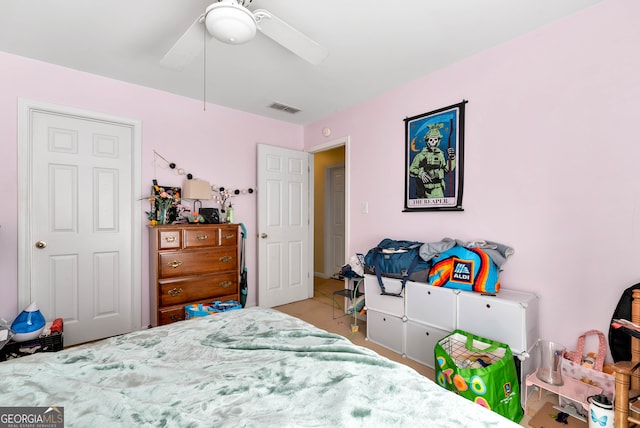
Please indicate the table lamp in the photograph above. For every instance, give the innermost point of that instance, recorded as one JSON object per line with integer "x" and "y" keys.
{"x": 197, "y": 190}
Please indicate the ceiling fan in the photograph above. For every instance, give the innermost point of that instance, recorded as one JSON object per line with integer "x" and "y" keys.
{"x": 231, "y": 22}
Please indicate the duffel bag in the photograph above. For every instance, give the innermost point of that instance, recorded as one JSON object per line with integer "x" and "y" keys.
{"x": 397, "y": 259}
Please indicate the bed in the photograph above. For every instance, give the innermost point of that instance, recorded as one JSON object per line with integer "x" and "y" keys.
{"x": 243, "y": 368}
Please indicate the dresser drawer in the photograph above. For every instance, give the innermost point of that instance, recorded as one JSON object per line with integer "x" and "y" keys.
{"x": 168, "y": 239}
{"x": 229, "y": 236}
{"x": 173, "y": 264}
{"x": 207, "y": 287}
{"x": 208, "y": 236}
{"x": 169, "y": 315}
{"x": 201, "y": 238}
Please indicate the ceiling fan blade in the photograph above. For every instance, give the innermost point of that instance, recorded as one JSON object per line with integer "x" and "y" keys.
{"x": 188, "y": 46}
{"x": 292, "y": 39}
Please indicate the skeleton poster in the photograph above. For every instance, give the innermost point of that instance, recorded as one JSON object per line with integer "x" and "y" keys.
{"x": 434, "y": 159}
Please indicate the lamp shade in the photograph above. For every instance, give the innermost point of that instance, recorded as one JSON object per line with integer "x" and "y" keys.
{"x": 196, "y": 189}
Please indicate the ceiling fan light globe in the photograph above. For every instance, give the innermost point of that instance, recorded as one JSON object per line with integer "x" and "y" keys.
{"x": 230, "y": 23}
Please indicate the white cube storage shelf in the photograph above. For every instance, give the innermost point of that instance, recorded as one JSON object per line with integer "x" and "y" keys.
{"x": 431, "y": 305}
{"x": 420, "y": 340}
{"x": 510, "y": 317}
{"x": 393, "y": 305}
{"x": 413, "y": 323}
{"x": 386, "y": 330}
{"x": 430, "y": 313}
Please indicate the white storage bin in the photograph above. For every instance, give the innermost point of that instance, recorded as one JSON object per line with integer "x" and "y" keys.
{"x": 431, "y": 305}
{"x": 421, "y": 341}
{"x": 393, "y": 305}
{"x": 386, "y": 330}
{"x": 510, "y": 317}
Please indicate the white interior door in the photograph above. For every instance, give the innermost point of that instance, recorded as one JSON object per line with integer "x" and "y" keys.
{"x": 284, "y": 231}
{"x": 335, "y": 224}
{"x": 80, "y": 254}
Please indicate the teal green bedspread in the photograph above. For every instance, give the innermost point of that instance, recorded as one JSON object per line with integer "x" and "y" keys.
{"x": 245, "y": 368}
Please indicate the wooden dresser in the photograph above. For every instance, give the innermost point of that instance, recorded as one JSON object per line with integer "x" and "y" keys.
{"x": 191, "y": 264}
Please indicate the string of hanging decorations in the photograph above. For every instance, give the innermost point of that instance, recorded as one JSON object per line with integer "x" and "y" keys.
{"x": 223, "y": 193}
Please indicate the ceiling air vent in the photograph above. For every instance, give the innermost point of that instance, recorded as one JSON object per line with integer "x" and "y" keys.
{"x": 286, "y": 108}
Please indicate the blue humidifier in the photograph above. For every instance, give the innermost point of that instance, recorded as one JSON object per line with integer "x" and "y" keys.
{"x": 29, "y": 324}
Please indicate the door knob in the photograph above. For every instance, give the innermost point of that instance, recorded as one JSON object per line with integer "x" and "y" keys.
{"x": 263, "y": 235}
{"x": 41, "y": 244}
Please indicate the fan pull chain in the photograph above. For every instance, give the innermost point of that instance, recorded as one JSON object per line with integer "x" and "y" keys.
{"x": 204, "y": 71}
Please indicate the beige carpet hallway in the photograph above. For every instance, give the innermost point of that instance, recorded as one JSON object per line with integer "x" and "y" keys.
{"x": 319, "y": 312}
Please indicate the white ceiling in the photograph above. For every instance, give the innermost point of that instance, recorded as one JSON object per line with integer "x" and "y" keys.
{"x": 374, "y": 45}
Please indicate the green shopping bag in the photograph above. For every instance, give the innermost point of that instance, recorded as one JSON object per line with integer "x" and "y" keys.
{"x": 480, "y": 370}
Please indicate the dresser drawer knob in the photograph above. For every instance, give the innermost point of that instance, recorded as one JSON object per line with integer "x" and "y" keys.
{"x": 225, "y": 259}
{"x": 229, "y": 236}
{"x": 175, "y": 317}
{"x": 175, "y": 264}
{"x": 202, "y": 237}
{"x": 170, "y": 238}
{"x": 225, "y": 284}
{"x": 175, "y": 291}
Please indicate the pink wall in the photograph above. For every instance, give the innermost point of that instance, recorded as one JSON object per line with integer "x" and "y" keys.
{"x": 551, "y": 163}
{"x": 218, "y": 145}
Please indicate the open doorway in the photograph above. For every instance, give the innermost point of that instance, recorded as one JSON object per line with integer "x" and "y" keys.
{"x": 330, "y": 233}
